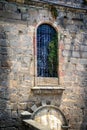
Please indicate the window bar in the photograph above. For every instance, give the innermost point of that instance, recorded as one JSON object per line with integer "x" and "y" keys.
{"x": 48, "y": 52}
{"x": 44, "y": 57}
{"x": 39, "y": 54}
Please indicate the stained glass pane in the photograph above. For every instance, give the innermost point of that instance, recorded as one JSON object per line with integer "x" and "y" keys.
{"x": 46, "y": 51}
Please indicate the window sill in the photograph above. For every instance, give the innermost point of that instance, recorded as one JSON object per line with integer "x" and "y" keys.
{"x": 47, "y": 90}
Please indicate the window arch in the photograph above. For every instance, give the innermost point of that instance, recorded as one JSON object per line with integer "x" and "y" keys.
{"x": 47, "y": 51}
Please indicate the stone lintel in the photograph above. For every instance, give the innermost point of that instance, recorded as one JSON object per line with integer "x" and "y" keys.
{"x": 65, "y": 127}
{"x": 47, "y": 90}
{"x": 35, "y": 125}
{"x": 26, "y": 115}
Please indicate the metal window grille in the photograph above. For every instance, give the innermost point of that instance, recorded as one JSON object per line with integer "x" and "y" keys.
{"x": 45, "y": 35}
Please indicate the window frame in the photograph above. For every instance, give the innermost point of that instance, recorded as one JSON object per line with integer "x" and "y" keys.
{"x": 44, "y": 81}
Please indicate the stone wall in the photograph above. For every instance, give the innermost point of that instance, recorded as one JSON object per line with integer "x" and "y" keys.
{"x": 18, "y": 24}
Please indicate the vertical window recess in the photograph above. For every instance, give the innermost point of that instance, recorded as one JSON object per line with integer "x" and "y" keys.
{"x": 47, "y": 55}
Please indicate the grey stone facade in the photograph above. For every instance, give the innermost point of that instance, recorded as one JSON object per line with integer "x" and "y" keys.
{"x": 18, "y": 24}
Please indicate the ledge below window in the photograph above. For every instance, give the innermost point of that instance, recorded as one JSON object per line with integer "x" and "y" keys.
{"x": 47, "y": 90}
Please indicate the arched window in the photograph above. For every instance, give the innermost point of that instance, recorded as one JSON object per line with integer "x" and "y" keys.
{"x": 47, "y": 51}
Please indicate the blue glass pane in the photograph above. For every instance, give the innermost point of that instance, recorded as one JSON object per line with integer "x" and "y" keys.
{"x": 45, "y": 34}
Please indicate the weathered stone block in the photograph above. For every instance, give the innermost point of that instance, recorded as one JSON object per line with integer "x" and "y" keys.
{"x": 1, "y": 6}
{"x": 3, "y": 50}
{"x": 74, "y": 60}
{"x": 11, "y": 128}
{"x": 6, "y": 64}
{"x": 2, "y": 35}
{"x": 4, "y": 83}
{"x": 14, "y": 106}
{"x": 2, "y": 129}
{"x": 84, "y": 54}
{"x": 76, "y": 54}
{"x": 22, "y": 106}
{"x": 10, "y": 15}
{"x": 25, "y": 16}
{"x": 9, "y": 106}
{"x": 2, "y": 124}
{"x": 4, "y": 57}
{"x": 14, "y": 98}
{"x": 68, "y": 47}
{"x": 12, "y": 36}
{"x": 67, "y": 53}
{"x": 26, "y": 115}
{"x": 20, "y": 1}
{"x": 83, "y": 48}
{"x": 14, "y": 114}
{"x": 11, "y": 7}
{"x": 23, "y": 9}
{"x": 9, "y": 122}
{"x": 83, "y": 61}
{"x": 2, "y": 93}
{"x": 3, "y": 104}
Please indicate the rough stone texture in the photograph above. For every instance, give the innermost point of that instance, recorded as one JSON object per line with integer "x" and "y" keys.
{"x": 18, "y": 24}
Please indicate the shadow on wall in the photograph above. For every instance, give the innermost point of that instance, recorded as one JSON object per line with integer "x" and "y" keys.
{"x": 78, "y": 50}
{"x": 82, "y": 79}
{"x": 5, "y": 111}
{"x": 84, "y": 95}
{"x": 84, "y": 109}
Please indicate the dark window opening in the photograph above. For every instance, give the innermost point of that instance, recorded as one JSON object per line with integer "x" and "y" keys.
{"x": 47, "y": 56}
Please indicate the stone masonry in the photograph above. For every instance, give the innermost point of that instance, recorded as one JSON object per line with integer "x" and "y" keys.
{"x": 18, "y": 24}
